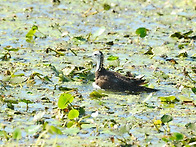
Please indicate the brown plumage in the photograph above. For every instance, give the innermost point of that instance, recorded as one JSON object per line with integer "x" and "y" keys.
{"x": 113, "y": 81}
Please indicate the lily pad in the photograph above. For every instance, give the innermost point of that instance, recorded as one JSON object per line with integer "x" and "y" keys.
{"x": 64, "y": 100}
{"x": 73, "y": 114}
{"x": 166, "y": 118}
{"x": 96, "y": 94}
{"x": 168, "y": 99}
{"x": 142, "y": 32}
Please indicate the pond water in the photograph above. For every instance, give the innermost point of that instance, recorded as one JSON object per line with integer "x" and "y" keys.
{"x": 31, "y": 76}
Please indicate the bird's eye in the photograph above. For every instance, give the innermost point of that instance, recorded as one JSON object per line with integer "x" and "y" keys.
{"x": 95, "y": 54}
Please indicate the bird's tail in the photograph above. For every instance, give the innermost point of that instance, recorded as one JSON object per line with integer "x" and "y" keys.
{"x": 139, "y": 89}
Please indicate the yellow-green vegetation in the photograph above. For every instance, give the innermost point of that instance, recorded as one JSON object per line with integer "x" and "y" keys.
{"x": 46, "y": 72}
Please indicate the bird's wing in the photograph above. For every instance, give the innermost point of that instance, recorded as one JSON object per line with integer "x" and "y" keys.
{"x": 130, "y": 80}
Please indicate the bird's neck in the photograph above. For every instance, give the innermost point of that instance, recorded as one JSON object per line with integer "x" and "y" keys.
{"x": 99, "y": 64}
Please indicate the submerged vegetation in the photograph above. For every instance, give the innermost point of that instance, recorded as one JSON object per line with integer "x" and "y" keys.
{"x": 46, "y": 73}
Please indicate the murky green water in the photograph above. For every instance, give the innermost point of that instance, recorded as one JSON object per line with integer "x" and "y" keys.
{"x": 70, "y": 28}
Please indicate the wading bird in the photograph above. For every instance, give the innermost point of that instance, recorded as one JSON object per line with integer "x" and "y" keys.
{"x": 113, "y": 81}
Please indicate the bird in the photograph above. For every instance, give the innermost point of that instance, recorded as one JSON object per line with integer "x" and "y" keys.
{"x": 113, "y": 81}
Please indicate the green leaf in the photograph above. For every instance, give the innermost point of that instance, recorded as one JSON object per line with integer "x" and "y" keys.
{"x": 17, "y": 134}
{"x": 70, "y": 124}
{"x": 71, "y": 131}
{"x": 30, "y": 34}
{"x": 165, "y": 139}
{"x": 110, "y": 43}
{"x": 32, "y": 129}
{"x": 96, "y": 94}
{"x": 106, "y": 7}
{"x": 187, "y": 33}
{"x": 25, "y": 101}
{"x": 1, "y": 133}
{"x": 62, "y": 88}
{"x": 73, "y": 114}
{"x": 193, "y": 90}
{"x": 194, "y": 68}
{"x": 47, "y": 79}
{"x": 64, "y": 100}
{"x": 183, "y": 54}
{"x": 184, "y": 99}
{"x": 88, "y": 126}
{"x": 11, "y": 49}
{"x": 168, "y": 99}
{"x": 112, "y": 58}
{"x": 80, "y": 38}
{"x": 177, "y": 35}
{"x": 178, "y": 136}
{"x": 191, "y": 126}
{"x": 54, "y": 130}
{"x": 4, "y": 134}
{"x": 149, "y": 52}
{"x": 142, "y": 32}
{"x": 166, "y": 118}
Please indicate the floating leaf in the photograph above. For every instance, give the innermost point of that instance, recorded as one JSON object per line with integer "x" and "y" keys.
{"x": 32, "y": 129}
{"x": 112, "y": 58}
{"x": 179, "y": 35}
{"x": 30, "y": 34}
{"x": 194, "y": 57}
{"x": 110, "y": 43}
{"x": 194, "y": 68}
{"x": 183, "y": 54}
{"x": 58, "y": 53}
{"x": 165, "y": 139}
{"x": 25, "y": 101}
{"x": 173, "y": 61}
{"x": 62, "y": 88}
{"x": 70, "y": 124}
{"x": 54, "y": 130}
{"x": 142, "y": 32}
{"x": 149, "y": 52}
{"x": 193, "y": 90}
{"x": 73, "y": 114}
{"x": 11, "y": 49}
{"x": 71, "y": 131}
{"x": 81, "y": 111}
{"x": 168, "y": 99}
{"x": 88, "y": 126}
{"x": 187, "y": 33}
{"x": 4, "y": 134}
{"x": 96, "y": 94}
{"x": 79, "y": 38}
{"x": 46, "y": 79}
{"x": 166, "y": 118}
{"x": 185, "y": 99}
{"x": 5, "y": 57}
{"x": 177, "y": 136}
{"x": 106, "y": 7}
{"x": 59, "y": 74}
{"x": 191, "y": 126}
{"x": 64, "y": 100}
{"x": 17, "y": 79}
{"x": 181, "y": 46}
{"x": 17, "y": 134}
